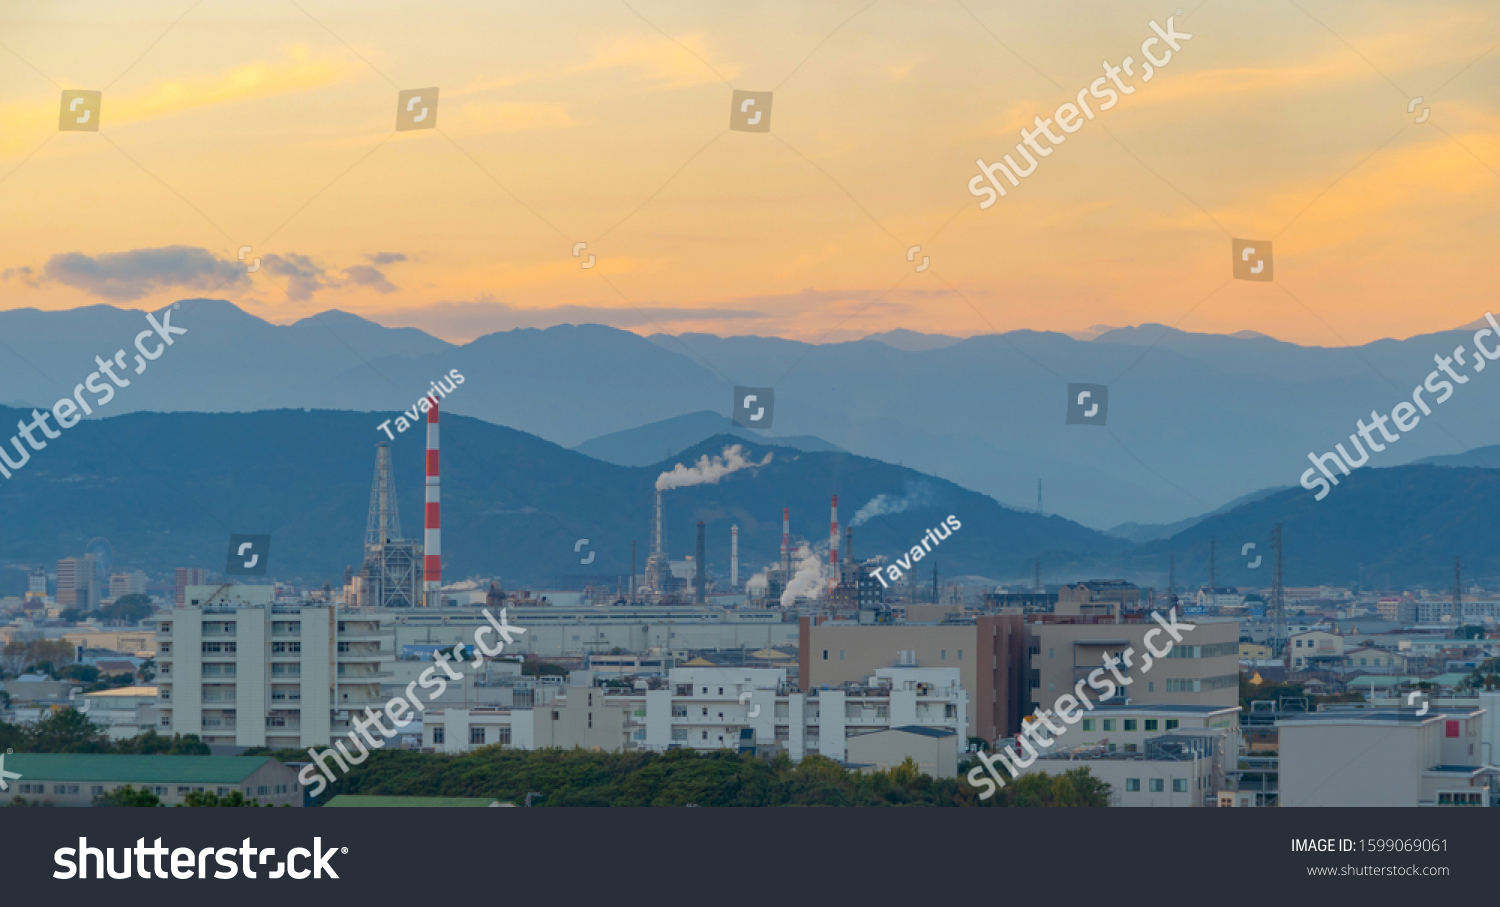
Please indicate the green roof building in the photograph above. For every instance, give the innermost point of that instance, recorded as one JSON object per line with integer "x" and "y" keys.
{"x": 76, "y": 779}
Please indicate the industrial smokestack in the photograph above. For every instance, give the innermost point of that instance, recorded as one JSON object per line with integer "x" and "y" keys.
{"x": 432, "y": 537}
{"x": 786, "y": 541}
{"x": 734, "y": 557}
{"x": 849, "y": 560}
{"x": 656, "y": 529}
{"x": 833, "y": 541}
{"x": 702, "y": 579}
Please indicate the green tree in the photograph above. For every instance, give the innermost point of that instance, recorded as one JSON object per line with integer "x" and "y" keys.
{"x": 80, "y": 673}
{"x": 128, "y": 796}
{"x": 132, "y": 608}
{"x": 150, "y": 743}
{"x": 147, "y": 671}
{"x": 66, "y": 731}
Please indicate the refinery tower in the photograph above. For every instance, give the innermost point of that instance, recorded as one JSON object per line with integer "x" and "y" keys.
{"x": 391, "y": 575}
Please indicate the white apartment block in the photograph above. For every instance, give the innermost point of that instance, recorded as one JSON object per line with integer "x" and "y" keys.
{"x": 710, "y": 708}
{"x": 1138, "y": 779}
{"x": 237, "y": 669}
{"x": 1386, "y": 757}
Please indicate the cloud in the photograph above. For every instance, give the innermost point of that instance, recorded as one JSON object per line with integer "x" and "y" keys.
{"x": 139, "y": 272}
{"x": 486, "y": 315}
{"x": 24, "y": 274}
{"x": 366, "y": 276}
{"x": 385, "y": 258}
{"x": 671, "y": 63}
{"x": 303, "y": 277}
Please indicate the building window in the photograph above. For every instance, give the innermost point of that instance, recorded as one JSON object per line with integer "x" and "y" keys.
{"x": 1051, "y": 652}
{"x": 1051, "y": 687}
{"x": 504, "y": 736}
{"x": 1150, "y": 724}
{"x": 476, "y": 736}
{"x": 841, "y": 654}
{"x": 1156, "y": 785}
{"x": 1131, "y": 748}
{"x": 1129, "y": 724}
{"x": 1109, "y": 724}
{"x": 705, "y": 735}
{"x": 1132, "y": 785}
{"x": 97, "y": 789}
{"x": 1150, "y": 686}
{"x": 1171, "y": 724}
{"x": 960, "y": 654}
{"x": 437, "y": 736}
{"x": 1088, "y": 724}
{"x": 1179, "y": 785}
{"x": 825, "y": 654}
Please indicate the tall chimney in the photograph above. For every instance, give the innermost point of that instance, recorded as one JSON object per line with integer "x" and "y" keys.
{"x": 656, "y": 529}
{"x": 786, "y": 541}
{"x": 702, "y": 556}
{"x": 734, "y": 557}
{"x": 432, "y": 536}
{"x": 833, "y": 542}
{"x": 849, "y": 561}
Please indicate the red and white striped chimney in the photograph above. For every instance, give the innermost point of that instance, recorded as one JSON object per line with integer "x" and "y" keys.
{"x": 432, "y": 536}
{"x": 833, "y": 545}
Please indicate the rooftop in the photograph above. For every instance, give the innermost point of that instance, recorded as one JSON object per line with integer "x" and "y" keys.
{"x": 136, "y": 769}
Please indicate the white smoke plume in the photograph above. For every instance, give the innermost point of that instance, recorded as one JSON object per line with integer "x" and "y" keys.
{"x": 708, "y": 471}
{"x": 917, "y": 494}
{"x": 758, "y": 583}
{"x": 809, "y": 581}
{"x": 467, "y": 585}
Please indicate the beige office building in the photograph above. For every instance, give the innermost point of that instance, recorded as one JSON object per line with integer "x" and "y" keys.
{"x": 989, "y": 655}
{"x": 1203, "y": 669}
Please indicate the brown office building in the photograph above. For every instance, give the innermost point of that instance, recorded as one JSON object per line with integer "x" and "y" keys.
{"x": 989, "y": 654}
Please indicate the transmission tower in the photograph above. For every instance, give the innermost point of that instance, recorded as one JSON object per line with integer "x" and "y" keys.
{"x": 1278, "y": 598}
{"x": 1213, "y": 548}
{"x": 1171, "y": 581}
{"x": 384, "y": 522}
{"x": 1037, "y": 583}
{"x": 391, "y": 575}
{"x": 1458, "y": 595}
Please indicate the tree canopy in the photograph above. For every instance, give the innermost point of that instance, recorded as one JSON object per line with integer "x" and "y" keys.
{"x": 685, "y": 777}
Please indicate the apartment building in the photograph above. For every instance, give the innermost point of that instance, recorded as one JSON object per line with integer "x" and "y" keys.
{"x": 1167, "y": 777}
{"x": 240, "y": 670}
{"x": 185, "y": 577}
{"x": 989, "y": 655}
{"x": 132, "y": 583}
{"x": 1386, "y": 757}
{"x": 583, "y": 716}
{"x": 716, "y": 708}
{"x": 77, "y": 584}
{"x": 1203, "y": 669}
{"x": 1315, "y": 649}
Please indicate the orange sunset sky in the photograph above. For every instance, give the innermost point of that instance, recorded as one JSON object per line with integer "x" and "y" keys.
{"x": 270, "y": 123}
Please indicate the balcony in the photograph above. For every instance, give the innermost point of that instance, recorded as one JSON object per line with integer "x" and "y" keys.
{"x": 218, "y": 724}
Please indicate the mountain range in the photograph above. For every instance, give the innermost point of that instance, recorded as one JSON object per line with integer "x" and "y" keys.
{"x": 168, "y": 489}
{"x": 1194, "y": 421}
